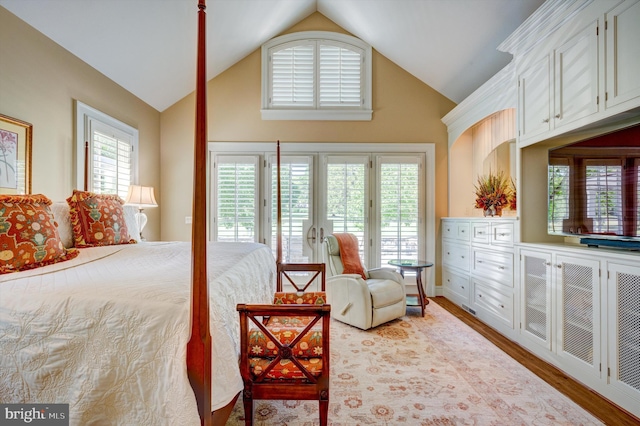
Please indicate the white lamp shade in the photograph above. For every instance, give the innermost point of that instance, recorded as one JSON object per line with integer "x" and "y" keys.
{"x": 141, "y": 197}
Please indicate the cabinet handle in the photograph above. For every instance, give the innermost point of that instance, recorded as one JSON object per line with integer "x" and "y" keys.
{"x": 501, "y": 267}
{"x": 547, "y": 263}
{"x": 502, "y": 306}
{"x": 557, "y": 115}
{"x": 462, "y": 257}
{"x": 448, "y": 253}
{"x": 546, "y": 120}
{"x": 462, "y": 287}
{"x": 479, "y": 295}
{"x": 462, "y": 231}
{"x": 478, "y": 261}
{"x": 502, "y": 235}
{"x": 480, "y": 233}
{"x": 559, "y": 266}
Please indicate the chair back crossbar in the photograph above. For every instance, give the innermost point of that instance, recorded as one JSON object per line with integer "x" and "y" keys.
{"x": 285, "y": 268}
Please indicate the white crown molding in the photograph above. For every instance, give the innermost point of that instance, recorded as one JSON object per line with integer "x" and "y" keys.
{"x": 497, "y": 94}
{"x": 542, "y": 23}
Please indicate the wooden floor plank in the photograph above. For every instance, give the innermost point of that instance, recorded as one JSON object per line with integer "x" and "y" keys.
{"x": 598, "y": 406}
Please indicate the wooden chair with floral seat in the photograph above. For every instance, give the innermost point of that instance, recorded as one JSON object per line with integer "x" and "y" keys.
{"x": 286, "y": 356}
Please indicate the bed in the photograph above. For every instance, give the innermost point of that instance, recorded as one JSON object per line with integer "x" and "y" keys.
{"x": 77, "y": 332}
{"x": 107, "y": 331}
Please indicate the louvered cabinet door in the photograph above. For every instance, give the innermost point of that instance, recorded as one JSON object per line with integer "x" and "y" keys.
{"x": 535, "y": 279}
{"x": 624, "y": 329}
{"x": 578, "y": 315}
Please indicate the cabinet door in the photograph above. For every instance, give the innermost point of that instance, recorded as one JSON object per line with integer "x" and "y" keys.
{"x": 578, "y": 315}
{"x": 576, "y": 77}
{"x": 623, "y": 54}
{"x": 624, "y": 328}
{"x": 534, "y": 101}
{"x": 535, "y": 279}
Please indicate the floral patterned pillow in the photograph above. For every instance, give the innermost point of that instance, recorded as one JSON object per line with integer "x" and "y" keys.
{"x": 28, "y": 234}
{"x": 98, "y": 220}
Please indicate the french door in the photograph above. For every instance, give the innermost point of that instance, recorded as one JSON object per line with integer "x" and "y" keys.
{"x": 379, "y": 197}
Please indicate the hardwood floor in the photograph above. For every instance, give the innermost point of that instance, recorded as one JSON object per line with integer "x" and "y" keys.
{"x": 600, "y": 407}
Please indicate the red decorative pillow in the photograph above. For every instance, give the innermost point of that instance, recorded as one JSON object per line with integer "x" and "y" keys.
{"x": 98, "y": 220}
{"x": 28, "y": 234}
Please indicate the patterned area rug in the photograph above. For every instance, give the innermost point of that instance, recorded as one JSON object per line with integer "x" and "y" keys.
{"x": 424, "y": 371}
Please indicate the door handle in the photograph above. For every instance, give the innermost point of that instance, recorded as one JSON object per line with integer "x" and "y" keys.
{"x": 321, "y": 235}
{"x": 312, "y": 237}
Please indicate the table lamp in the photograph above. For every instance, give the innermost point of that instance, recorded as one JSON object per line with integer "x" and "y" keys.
{"x": 142, "y": 197}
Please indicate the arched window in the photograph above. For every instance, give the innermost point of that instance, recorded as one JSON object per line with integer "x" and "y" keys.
{"x": 316, "y": 75}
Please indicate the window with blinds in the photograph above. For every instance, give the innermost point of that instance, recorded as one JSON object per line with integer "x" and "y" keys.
{"x": 295, "y": 193}
{"x": 112, "y": 159}
{"x": 236, "y": 194}
{"x": 347, "y": 195}
{"x": 111, "y": 153}
{"x": 559, "y": 194}
{"x": 604, "y": 196}
{"x": 399, "y": 207}
{"x": 316, "y": 76}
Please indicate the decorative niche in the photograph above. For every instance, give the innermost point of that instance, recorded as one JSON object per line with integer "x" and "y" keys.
{"x": 486, "y": 147}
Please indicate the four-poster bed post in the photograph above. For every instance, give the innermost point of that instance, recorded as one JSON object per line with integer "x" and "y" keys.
{"x": 199, "y": 346}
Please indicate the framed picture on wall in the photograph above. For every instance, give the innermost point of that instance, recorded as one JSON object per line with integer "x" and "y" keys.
{"x": 15, "y": 155}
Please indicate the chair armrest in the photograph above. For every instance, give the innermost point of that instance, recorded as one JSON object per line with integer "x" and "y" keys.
{"x": 386, "y": 273}
{"x": 350, "y": 296}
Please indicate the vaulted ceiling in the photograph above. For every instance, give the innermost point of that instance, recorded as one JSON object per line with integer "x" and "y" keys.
{"x": 148, "y": 46}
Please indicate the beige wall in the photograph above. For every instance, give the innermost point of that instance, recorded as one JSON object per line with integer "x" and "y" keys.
{"x": 39, "y": 82}
{"x": 405, "y": 110}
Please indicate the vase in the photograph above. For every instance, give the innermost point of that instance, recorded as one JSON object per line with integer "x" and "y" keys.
{"x": 492, "y": 211}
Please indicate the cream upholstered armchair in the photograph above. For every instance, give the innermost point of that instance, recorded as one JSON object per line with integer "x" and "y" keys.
{"x": 359, "y": 302}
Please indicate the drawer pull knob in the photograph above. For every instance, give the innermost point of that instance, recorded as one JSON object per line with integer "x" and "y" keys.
{"x": 462, "y": 287}
{"x": 501, "y": 267}
{"x": 480, "y": 233}
{"x": 479, "y": 261}
{"x": 479, "y": 295}
{"x": 502, "y": 306}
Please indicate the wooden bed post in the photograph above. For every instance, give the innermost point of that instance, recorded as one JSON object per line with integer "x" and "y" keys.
{"x": 199, "y": 346}
{"x": 279, "y": 210}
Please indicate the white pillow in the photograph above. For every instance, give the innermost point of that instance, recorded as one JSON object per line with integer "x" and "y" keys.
{"x": 60, "y": 210}
{"x": 132, "y": 222}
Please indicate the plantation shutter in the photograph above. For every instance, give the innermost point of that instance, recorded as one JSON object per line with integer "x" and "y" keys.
{"x": 295, "y": 186}
{"x": 559, "y": 193}
{"x": 400, "y": 212}
{"x": 340, "y": 76}
{"x": 237, "y": 206}
{"x": 346, "y": 196}
{"x": 604, "y": 195}
{"x": 111, "y": 164}
{"x": 292, "y": 76}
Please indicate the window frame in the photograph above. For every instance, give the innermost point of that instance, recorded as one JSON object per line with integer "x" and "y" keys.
{"x": 84, "y": 115}
{"x": 334, "y": 113}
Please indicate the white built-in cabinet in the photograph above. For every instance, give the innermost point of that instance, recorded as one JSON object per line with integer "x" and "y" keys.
{"x": 580, "y": 310}
{"x": 576, "y": 69}
{"x": 478, "y": 267}
{"x": 561, "y": 86}
{"x": 560, "y": 300}
{"x": 622, "y": 55}
{"x": 586, "y": 72}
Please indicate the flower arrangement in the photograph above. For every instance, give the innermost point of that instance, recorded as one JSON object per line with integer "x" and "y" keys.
{"x": 493, "y": 193}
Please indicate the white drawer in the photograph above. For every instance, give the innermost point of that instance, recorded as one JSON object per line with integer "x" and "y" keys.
{"x": 480, "y": 232}
{"x": 456, "y": 286}
{"x": 455, "y": 230}
{"x": 494, "y": 302}
{"x": 493, "y": 264}
{"x": 502, "y": 234}
{"x": 456, "y": 255}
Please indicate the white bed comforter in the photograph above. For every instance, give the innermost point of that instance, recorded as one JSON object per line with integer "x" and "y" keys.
{"x": 107, "y": 332}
